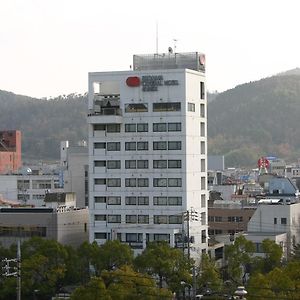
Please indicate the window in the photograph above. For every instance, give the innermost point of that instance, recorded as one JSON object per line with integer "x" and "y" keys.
{"x": 100, "y": 217}
{"x": 142, "y": 127}
{"x": 100, "y": 235}
{"x": 202, "y": 165}
{"x": 131, "y": 218}
{"x": 134, "y": 237}
{"x": 159, "y": 127}
{"x": 130, "y": 127}
{"x": 41, "y": 184}
{"x": 113, "y": 164}
{"x": 235, "y": 219}
{"x": 218, "y": 219}
{"x": 175, "y": 219}
{"x": 174, "y": 182}
{"x": 114, "y": 218}
{"x": 100, "y": 199}
{"x": 99, "y": 181}
{"x": 130, "y": 146}
{"x": 203, "y": 201}
{"x": 143, "y": 200}
{"x": 159, "y": 145}
{"x": 202, "y": 110}
{"x": 169, "y": 106}
{"x": 113, "y": 146}
{"x": 160, "y": 201}
{"x": 114, "y": 200}
{"x": 113, "y": 128}
{"x": 203, "y": 183}
{"x": 143, "y": 219}
{"x": 203, "y": 218}
{"x": 130, "y": 200}
{"x": 114, "y": 182}
{"x": 202, "y": 129}
{"x": 100, "y": 163}
{"x": 174, "y": 126}
{"x": 143, "y": 182}
{"x": 191, "y": 107}
{"x": 159, "y": 182}
{"x": 136, "y": 107}
{"x": 202, "y": 147}
{"x": 130, "y": 182}
{"x": 161, "y": 237}
{"x": 174, "y": 145}
{"x": 130, "y": 164}
{"x": 23, "y": 184}
{"x": 159, "y": 164}
{"x": 160, "y": 219}
{"x": 99, "y": 145}
{"x": 174, "y": 164}
{"x": 275, "y": 221}
{"x": 202, "y": 90}
{"x": 142, "y": 164}
{"x": 283, "y": 221}
{"x": 175, "y": 201}
{"x": 100, "y": 127}
{"x": 203, "y": 236}
{"x": 142, "y": 145}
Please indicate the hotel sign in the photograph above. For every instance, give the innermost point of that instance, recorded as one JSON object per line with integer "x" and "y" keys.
{"x": 150, "y": 83}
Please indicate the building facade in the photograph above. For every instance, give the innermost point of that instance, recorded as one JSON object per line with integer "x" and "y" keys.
{"x": 147, "y": 152}
{"x": 10, "y": 151}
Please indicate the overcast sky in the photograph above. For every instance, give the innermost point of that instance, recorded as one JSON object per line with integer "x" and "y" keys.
{"x": 47, "y": 47}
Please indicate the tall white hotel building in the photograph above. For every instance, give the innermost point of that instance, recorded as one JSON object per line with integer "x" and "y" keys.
{"x": 147, "y": 152}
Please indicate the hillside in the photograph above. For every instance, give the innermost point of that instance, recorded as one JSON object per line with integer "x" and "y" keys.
{"x": 257, "y": 118}
{"x": 44, "y": 123}
{"x": 244, "y": 123}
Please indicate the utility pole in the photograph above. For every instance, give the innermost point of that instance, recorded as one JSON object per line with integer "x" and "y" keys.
{"x": 14, "y": 271}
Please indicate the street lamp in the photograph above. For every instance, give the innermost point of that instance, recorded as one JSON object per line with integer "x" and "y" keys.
{"x": 241, "y": 292}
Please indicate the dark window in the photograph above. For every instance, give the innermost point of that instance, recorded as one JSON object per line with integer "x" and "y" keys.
{"x": 99, "y": 145}
{"x": 174, "y": 126}
{"x": 159, "y": 127}
{"x": 130, "y": 200}
{"x": 168, "y": 106}
{"x": 130, "y": 182}
{"x": 142, "y": 127}
{"x": 174, "y": 164}
{"x": 142, "y": 164}
{"x": 113, "y": 146}
{"x": 130, "y": 146}
{"x": 159, "y": 164}
{"x": 142, "y": 145}
{"x": 159, "y": 145}
{"x": 113, "y": 164}
{"x": 174, "y": 145}
{"x": 283, "y": 221}
{"x": 191, "y": 107}
{"x": 130, "y": 164}
{"x": 143, "y": 200}
{"x": 136, "y": 107}
{"x": 113, "y": 128}
{"x": 130, "y": 127}
{"x": 202, "y": 90}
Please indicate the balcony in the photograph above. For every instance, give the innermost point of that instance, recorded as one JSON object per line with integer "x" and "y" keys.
{"x": 106, "y": 111}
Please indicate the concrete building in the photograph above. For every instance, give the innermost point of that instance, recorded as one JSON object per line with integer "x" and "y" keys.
{"x": 74, "y": 162}
{"x": 273, "y": 218}
{"x": 29, "y": 188}
{"x": 10, "y": 151}
{"x": 65, "y": 225}
{"x": 147, "y": 151}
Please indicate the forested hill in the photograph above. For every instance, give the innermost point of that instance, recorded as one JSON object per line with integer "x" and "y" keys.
{"x": 44, "y": 123}
{"x": 244, "y": 123}
{"x": 255, "y": 119}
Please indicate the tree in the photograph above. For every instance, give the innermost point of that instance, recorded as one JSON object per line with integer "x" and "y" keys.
{"x": 209, "y": 273}
{"x": 238, "y": 256}
{"x": 168, "y": 264}
{"x": 126, "y": 284}
{"x": 111, "y": 255}
{"x": 94, "y": 290}
{"x": 273, "y": 255}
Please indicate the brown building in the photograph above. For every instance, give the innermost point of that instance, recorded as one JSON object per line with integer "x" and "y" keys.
{"x": 228, "y": 220}
{"x": 10, "y": 151}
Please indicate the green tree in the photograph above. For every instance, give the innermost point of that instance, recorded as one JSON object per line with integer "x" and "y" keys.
{"x": 126, "y": 284}
{"x": 168, "y": 264}
{"x": 94, "y": 290}
{"x": 209, "y": 275}
{"x": 238, "y": 256}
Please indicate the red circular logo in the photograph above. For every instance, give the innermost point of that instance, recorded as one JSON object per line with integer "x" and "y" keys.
{"x": 202, "y": 59}
{"x": 133, "y": 81}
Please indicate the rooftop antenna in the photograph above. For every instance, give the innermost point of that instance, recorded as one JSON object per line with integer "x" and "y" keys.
{"x": 156, "y": 37}
{"x": 175, "y": 42}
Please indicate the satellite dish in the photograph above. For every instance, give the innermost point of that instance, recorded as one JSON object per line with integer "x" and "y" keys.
{"x": 170, "y": 50}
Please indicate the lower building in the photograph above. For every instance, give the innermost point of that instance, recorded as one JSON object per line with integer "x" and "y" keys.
{"x": 65, "y": 225}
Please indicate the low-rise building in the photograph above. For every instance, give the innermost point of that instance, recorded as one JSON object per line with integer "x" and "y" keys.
{"x": 65, "y": 225}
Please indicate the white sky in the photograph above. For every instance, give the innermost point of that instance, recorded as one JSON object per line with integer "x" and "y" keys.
{"x": 47, "y": 47}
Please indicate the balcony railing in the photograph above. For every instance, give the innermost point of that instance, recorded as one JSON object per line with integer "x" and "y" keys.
{"x": 105, "y": 111}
